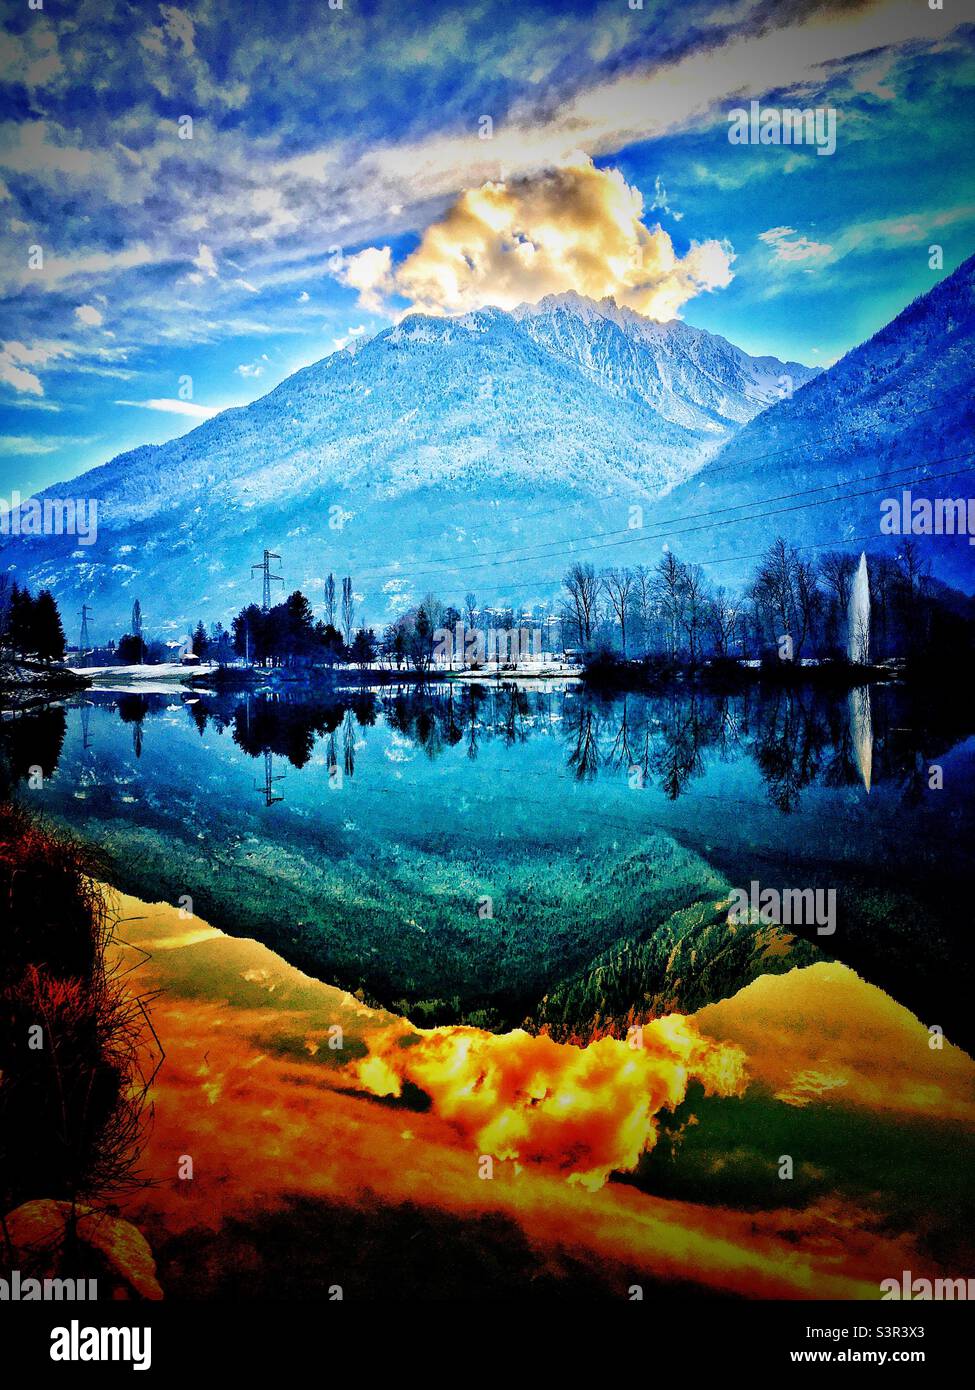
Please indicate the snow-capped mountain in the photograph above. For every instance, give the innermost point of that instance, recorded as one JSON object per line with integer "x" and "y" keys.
{"x": 403, "y": 461}
{"x": 897, "y": 413}
{"x": 689, "y": 377}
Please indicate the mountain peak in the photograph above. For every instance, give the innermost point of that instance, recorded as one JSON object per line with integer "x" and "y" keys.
{"x": 436, "y": 431}
{"x": 587, "y": 309}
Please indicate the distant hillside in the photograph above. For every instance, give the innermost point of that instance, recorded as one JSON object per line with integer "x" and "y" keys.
{"x": 440, "y": 438}
{"x": 904, "y": 401}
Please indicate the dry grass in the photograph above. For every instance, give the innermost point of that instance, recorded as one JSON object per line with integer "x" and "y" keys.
{"x": 72, "y": 1099}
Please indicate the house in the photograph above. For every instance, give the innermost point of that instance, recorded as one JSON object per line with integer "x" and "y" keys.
{"x": 181, "y": 650}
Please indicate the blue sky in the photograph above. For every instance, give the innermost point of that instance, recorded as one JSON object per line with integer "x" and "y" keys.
{"x": 338, "y": 175}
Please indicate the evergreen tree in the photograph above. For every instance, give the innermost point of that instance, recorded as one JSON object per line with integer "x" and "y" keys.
{"x": 47, "y": 636}
{"x": 363, "y": 649}
{"x": 21, "y": 612}
{"x": 131, "y": 649}
{"x": 298, "y": 628}
{"x": 329, "y": 642}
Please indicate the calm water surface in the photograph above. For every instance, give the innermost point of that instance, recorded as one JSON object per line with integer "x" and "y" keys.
{"x": 461, "y": 852}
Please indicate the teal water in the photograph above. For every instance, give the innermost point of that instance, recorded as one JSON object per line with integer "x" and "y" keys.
{"x": 503, "y": 855}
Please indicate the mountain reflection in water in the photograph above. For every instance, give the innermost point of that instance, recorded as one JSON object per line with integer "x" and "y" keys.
{"x": 503, "y": 855}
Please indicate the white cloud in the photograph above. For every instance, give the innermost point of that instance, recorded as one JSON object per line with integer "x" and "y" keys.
{"x": 89, "y": 315}
{"x": 179, "y": 27}
{"x": 29, "y": 446}
{"x": 253, "y": 369}
{"x": 25, "y": 445}
{"x": 175, "y": 407}
{"x": 17, "y": 358}
{"x": 370, "y": 272}
{"x": 205, "y": 261}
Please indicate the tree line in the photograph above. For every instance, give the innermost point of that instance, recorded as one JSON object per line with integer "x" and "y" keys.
{"x": 30, "y": 626}
{"x": 673, "y": 612}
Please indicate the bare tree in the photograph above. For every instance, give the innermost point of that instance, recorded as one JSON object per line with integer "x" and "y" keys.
{"x": 694, "y": 606}
{"x": 786, "y": 594}
{"x": 583, "y": 585}
{"x": 644, "y": 601}
{"x": 619, "y": 584}
{"x": 912, "y": 567}
{"x": 837, "y": 568}
{"x": 669, "y": 586}
{"x": 330, "y": 600}
{"x": 723, "y": 619}
{"x": 808, "y": 599}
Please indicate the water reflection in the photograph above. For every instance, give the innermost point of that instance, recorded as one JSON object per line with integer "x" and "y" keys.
{"x": 861, "y": 732}
{"x": 795, "y": 739}
{"x": 490, "y": 849}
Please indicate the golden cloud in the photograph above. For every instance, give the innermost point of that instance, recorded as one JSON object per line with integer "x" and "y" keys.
{"x": 571, "y": 228}
{"x": 583, "y": 1111}
{"x": 252, "y": 1091}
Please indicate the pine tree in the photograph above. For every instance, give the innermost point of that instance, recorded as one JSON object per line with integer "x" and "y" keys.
{"x": 21, "y": 620}
{"x": 47, "y": 631}
{"x": 363, "y": 649}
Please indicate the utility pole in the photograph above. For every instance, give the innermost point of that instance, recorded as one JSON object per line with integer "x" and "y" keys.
{"x": 269, "y": 780}
{"x": 265, "y": 568}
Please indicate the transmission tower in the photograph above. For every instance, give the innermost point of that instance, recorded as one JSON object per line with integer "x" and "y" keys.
{"x": 270, "y": 797}
{"x": 265, "y": 568}
{"x": 85, "y": 639}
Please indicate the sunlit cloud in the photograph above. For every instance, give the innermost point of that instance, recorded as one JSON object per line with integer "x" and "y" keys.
{"x": 582, "y": 1111}
{"x": 573, "y": 228}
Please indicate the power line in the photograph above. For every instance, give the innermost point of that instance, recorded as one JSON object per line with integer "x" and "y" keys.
{"x": 706, "y": 468}
{"x": 636, "y": 539}
{"x": 755, "y": 554}
{"x": 560, "y": 545}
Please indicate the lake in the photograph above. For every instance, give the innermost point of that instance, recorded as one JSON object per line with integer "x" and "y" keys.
{"x": 501, "y": 856}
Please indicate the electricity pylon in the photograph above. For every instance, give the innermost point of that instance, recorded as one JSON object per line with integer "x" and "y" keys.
{"x": 265, "y": 568}
{"x": 269, "y": 780}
